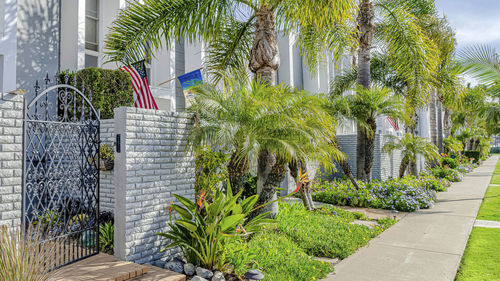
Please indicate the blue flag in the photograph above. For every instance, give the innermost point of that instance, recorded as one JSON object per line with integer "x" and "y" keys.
{"x": 189, "y": 80}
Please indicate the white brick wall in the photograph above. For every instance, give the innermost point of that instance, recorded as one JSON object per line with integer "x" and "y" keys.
{"x": 151, "y": 167}
{"x": 11, "y": 150}
{"x": 107, "y": 186}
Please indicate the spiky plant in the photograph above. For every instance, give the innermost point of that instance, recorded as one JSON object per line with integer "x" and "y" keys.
{"x": 411, "y": 146}
{"x": 23, "y": 257}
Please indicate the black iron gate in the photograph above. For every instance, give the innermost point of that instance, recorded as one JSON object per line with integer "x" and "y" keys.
{"x": 61, "y": 171}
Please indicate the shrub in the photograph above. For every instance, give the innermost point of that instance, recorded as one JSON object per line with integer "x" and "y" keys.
{"x": 204, "y": 227}
{"x": 238, "y": 254}
{"x": 23, "y": 257}
{"x": 452, "y": 146}
{"x": 110, "y": 88}
{"x": 476, "y": 155}
{"x": 406, "y": 194}
{"x": 447, "y": 173}
{"x": 495, "y": 150}
{"x": 450, "y": 162}
{"x": 106, "y": 238}
{"x": 211, "y": 169}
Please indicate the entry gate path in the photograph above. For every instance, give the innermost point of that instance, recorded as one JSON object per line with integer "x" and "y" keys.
{"x": 426, "y": 245}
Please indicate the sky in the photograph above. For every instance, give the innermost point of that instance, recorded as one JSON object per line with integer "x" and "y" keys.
{"x": 474, "y": 21}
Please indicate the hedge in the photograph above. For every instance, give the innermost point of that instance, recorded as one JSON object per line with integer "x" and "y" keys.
{"x": 110, "y": 88}
{"x": 476, "y": 155}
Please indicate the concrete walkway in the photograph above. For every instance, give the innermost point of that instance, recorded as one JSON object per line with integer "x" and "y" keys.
{"x": 426, "y": 245}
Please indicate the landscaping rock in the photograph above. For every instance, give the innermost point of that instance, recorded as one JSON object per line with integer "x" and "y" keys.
{"x": 175, "y": 266}
{"x": 205, "y": 273}
{"x": 218, "y": 276}
{"x": 189, "y": 269}
{"x": 198, "y": 278}
{"x": 254, "y": 274}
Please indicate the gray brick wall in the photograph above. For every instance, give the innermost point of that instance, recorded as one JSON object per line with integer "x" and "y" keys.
{"x": 107, "y": 185}
{"x": 384, "y": 165}
{"x": 151, "y": 167}
{"x": 11, "y": 150}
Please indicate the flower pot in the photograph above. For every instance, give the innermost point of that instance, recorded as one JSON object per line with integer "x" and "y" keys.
{"x": 106, "y": 164}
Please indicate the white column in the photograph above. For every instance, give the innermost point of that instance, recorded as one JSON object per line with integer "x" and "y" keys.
{"x": 8, "y": 45}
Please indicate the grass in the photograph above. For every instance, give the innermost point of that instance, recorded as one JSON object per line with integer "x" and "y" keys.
{"x": 323, "y": 234}
{"x": 490, "y": 209}
{"x": 301, "y": 235}
{"x": 481, "y": 260}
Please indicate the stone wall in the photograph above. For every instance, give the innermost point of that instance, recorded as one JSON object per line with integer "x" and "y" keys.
{"x": 151, "y": 166}
{"x": 11, "y": 152}
{"x": 107, "y": 185}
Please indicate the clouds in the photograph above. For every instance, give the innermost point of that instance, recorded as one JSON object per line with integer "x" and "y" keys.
{"x": 475, "y": 21}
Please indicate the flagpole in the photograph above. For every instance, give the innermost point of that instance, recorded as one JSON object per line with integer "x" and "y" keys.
{"x": 170, "y": 80}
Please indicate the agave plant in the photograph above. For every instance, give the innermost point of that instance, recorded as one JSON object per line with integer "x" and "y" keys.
{"x": 23, "y": 257}
{"x": 410, "y": 147}
{"x": 203, "y": 226}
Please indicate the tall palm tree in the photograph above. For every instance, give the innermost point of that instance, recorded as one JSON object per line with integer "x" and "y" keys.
{"x": 239, "y": 33}
{"x": 411, "y": 146}
{"x": 364, "y": 107}
{"x": 258, "y": 122}
{"x": 411, "y": 54}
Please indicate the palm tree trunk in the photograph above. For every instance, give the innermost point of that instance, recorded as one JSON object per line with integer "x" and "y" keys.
{"x": 264, "y": 56}
{"x": 361, "y": 155}
{"x": 271, "y": 172}
{"x": 370, "y": 149}
{"x": 366, "y": 30}
{"x": 440, "y": 123}
{"x": 237, "y": 170}
{"x": 264, "y": 61}
{"x": 446, "y": 122}
{"x": 413, "y": 168}
{"x": 432, "y": 119}
{"x": 344, "y": 164}
{"x": 305, "y": 187}
{"x": 402, "y": 168}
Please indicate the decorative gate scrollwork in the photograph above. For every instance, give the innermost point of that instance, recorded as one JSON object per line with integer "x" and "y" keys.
{"x": 61, "y": 173}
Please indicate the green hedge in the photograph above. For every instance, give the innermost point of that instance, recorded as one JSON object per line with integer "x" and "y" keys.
{"x": 476, "y": 155}
{"x": 495, "y": 150}
{"x": 110, "y": 88}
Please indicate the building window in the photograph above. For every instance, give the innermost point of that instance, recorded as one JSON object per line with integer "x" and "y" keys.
{"x": 92, "y": 25}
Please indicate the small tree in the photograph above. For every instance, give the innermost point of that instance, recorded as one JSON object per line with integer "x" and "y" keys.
{"x": 410, "y": 147}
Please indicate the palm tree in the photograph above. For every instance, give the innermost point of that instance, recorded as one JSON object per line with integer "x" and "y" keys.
{"x": 364, "y": 107}
{"x": 233, "y": 43}
{"x": 410, "y": 51}
{"x": 411, "y": 146}
{"x": 261, "y": 124}
{"x": 238, "y": 32}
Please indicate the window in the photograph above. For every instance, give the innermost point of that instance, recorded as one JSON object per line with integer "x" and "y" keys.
{"x": 91, "y": 61}
{"x": 92, "y": 25}
{"x": 2, "y": 17}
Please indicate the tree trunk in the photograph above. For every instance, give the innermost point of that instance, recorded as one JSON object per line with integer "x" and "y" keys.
{"x": 446, "y": 122}
{"x": 348, "y": 172}
{"x": 270, "y": 173}
{"x": 440, "y": 123}
{"x": 361, "y": 155}
{"x": 366, "y": 30}
{"x": 370, "y": 150}
{"x": 305, "y": 187}
{"x": 402, "y": 168}
{"x": 413, "y": 168}
{"x": 264, "y": 56}
{"x": 264, "y": 61}
{"x": 237, "y": 171}
{"x": 432, "y": 118}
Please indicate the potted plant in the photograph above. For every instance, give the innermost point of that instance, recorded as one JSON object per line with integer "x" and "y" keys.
{"x": 106, "y": 158}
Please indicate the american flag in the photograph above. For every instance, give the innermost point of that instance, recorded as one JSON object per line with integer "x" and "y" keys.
{"x": 143, "y": 98}
{"x": 394, "y": 123}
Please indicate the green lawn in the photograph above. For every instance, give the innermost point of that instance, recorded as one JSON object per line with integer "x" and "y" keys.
{"x": 481, "y": 260}
{"x": 490, "y": 209}
{"x": 301, "y": 235}
{"x": 495, "y": 179}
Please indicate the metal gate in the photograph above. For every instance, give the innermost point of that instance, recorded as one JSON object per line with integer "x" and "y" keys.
{"x": 61, "y": 171}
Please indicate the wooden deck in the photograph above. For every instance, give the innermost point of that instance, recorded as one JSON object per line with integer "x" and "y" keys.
{"x": 103, "y": 267}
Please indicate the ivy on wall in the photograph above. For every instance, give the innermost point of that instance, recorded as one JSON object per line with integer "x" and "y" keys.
{"x": 110, "y": 88}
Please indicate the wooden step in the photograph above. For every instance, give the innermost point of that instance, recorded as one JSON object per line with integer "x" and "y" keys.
{"x": 101, "y": 267}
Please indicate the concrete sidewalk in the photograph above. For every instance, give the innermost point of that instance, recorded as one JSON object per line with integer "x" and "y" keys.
{"x": 426, "y": 245}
